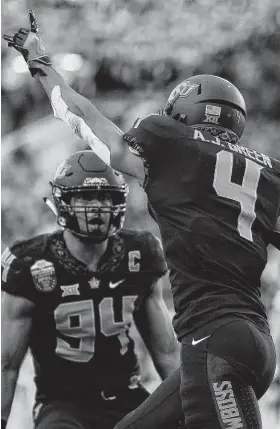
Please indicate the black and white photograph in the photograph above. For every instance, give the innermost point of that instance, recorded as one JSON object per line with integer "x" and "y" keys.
{"x": 140, "y": 206}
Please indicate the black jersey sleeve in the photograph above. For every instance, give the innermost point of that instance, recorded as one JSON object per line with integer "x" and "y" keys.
{"x": 153, "y": 265}
{"x": 16, "y": 278}
{"x": 150, "y": 134}
{"x": 16, "y": 266}
{"x": 154, "y": 260}
{"x": 275, "y": 235}
{"x": 154, "y": 138}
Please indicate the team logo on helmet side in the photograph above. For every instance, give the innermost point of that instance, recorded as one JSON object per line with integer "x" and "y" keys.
{"x": 43, "y": 274}
{"x": 63, "y": 170}
{"x": 184, "y": 89}
{"x": 99, "y": 181}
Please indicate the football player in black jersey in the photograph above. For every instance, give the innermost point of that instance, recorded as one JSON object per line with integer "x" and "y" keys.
{"x": 71, "y": 297}
{"x": 217, "y": 204}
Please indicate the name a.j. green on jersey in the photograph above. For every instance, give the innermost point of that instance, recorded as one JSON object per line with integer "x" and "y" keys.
{"x": 217, "y": 204}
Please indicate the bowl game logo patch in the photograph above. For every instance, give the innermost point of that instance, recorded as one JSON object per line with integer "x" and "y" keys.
{"x": 43, "y": 274}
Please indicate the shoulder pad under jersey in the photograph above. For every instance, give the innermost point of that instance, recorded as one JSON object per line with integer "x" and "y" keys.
{"x": 152, "y": 133}
{"x": 19, "y": 266}
{"x": 149, "y": 131}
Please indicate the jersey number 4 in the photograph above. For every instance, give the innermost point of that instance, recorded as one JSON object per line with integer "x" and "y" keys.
{"x": 76, "y": 320}
{"x": 245, "y": 194}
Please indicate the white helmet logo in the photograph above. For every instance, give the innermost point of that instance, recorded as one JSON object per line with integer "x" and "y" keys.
{"x": 99, "y": 181}
{"x": 182, "y": 90}
{"x": 63, "y": 170}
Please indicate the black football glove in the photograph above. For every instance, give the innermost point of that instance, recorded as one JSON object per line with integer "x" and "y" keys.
{"x": 29, "y": 44}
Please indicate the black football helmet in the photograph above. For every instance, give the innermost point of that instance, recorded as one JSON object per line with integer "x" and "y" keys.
{"x": 81, "y": 174}
{"x": 208, "y": 100}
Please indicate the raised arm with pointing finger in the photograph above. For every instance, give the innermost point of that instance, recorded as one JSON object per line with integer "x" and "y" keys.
{"x": 72, "y": 108}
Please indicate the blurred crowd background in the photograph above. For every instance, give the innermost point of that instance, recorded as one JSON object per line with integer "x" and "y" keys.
{"x": 126, "y": 56}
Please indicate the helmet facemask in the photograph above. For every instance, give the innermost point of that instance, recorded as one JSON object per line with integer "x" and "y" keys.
{"x": 92, "y": 212}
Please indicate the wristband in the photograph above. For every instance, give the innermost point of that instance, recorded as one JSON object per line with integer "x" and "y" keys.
{"x": 34, "y": 65}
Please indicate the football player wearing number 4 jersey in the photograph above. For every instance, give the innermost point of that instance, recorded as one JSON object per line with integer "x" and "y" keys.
{"x": 217, "y": 204}
{"x": 72, "y": 295}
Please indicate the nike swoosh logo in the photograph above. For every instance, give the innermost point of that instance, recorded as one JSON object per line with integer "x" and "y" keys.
{"x": 107, "y": 398}
{"x": 195, "y": 342}
{"x": 112, "y": 285}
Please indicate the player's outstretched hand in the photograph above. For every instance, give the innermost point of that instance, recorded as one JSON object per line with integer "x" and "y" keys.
{"x": 29, "y": 44}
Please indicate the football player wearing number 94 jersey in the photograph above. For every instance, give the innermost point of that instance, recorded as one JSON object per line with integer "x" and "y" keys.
{"x": 71, "y": 297}
{"x": 217, "y": 204}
